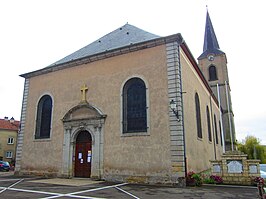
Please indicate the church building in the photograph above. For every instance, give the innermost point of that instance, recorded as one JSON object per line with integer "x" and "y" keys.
{"x": 132, "y": 106}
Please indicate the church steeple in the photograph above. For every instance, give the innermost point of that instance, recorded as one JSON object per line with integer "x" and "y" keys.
{"x": 213, "y": 65}
{"x": 211, "y": 45}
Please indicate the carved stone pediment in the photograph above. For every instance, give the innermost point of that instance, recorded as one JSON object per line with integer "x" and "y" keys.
{"x": 83, "y": 111}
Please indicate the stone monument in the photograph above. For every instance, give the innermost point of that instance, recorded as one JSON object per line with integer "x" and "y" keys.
{"x": 235, "y": 168}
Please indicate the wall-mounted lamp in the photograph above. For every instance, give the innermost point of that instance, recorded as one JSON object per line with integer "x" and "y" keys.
{"x": 173, "y": 107}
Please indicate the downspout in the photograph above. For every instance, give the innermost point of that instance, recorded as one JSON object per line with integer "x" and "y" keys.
{"x": 213, "y": 130}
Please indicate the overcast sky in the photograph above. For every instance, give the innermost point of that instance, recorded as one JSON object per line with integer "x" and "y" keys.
{"x": 36, "y": 33}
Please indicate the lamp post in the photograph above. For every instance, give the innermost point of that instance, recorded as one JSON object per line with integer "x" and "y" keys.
{"x": 173, "y": 107}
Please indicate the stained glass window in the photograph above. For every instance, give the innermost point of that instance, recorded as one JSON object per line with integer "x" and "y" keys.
{"x": 44, "y": 116}
{"x": 209, "y": 124}
{"x": 198, "y": 116}
{"x": 134, "y": 106}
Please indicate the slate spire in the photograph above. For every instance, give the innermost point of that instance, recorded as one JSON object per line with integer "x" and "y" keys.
{"x": 210, "y": 41}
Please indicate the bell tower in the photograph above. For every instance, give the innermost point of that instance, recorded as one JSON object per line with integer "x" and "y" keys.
{"x": 213, "y": 65}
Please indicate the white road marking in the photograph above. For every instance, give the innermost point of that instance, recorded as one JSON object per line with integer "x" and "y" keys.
{"x": 100, "y": 188}
{"x": 85, "y": 191}
{"x": 72, "y": 195}
{"x": 33, "y": 191}
{"x": 5, "y": 188}
{"x": 127, "y": 192}
{"x": 4, "y": 180}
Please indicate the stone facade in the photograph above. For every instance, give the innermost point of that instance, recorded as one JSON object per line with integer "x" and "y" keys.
{"x": 161, "y": 155}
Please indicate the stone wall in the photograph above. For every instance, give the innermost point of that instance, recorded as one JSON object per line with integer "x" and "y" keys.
{"x": 235, "y": 168}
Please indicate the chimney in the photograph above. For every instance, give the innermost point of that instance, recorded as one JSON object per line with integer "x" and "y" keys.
{"x": 6, "y": 118}
{"x": 12, "y": 120}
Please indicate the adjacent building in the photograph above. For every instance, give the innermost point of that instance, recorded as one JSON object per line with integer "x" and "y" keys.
{"x": 8, "y": 139}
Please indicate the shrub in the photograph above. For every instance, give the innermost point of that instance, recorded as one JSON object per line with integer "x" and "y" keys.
{"x": 193, "y": 179}
{"x": 213, "y": 179}
{"x": 190, "y": 181}
{"x": 217, "y": 179}
{"x": 198, "y": 180}
{"x": 259, "y": 180}
{"x": 208, "y": 181}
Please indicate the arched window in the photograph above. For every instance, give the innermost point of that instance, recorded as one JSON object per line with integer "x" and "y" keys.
{"x": 212, "y": 73}
{"x": 220, "y": 128}
{"x": 209, "y": 124}
{"x": 198, "y": 117}
{"x": 44, "y": 117}
{"x": 215, "y": 129}
{"x": 134, "y": 106}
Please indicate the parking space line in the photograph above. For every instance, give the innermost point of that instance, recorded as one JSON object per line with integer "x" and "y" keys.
{"x": 5, "y": 188}
{"x": 96, "y": 189}
{"x": 72, "y": 195}
{"x": 32, "y": 191}
{"x": 4, "y": 180}
{"x": 127, "y": 192}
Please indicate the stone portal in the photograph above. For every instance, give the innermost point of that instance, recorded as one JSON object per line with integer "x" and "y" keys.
{"x": 83, "y": 118}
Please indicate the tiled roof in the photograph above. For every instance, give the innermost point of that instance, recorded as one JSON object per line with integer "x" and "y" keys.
{"x": 7, "y": 125}
{"x": 210, "y": 41}
{"x": 123, "y": 36}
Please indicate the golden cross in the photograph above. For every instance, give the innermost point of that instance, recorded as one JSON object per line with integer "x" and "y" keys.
{"x": 83, "y": 90}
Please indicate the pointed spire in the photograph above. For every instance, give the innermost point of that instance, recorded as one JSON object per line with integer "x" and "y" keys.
{"x": 210, "y": 41}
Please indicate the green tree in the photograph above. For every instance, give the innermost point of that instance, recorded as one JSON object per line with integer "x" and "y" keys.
{"x": 252, "y": 147}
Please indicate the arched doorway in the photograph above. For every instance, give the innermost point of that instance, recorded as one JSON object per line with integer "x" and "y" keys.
{"x": 83, "y": 155}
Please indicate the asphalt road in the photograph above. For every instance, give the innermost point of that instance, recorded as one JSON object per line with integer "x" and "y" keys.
{"x": 27, "y": 187}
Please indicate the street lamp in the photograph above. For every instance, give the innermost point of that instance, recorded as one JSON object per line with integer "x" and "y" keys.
{"x": 173, "y": 107}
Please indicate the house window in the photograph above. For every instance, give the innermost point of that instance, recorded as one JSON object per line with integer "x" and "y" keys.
{"x": 198, "y": 117}
{"x": 134, "y": 106}
{"x": 44, "y": 116}
{"x": 215, "y": 128}
{"x": 209, "y": 124}
{"x": 10, "y": 140}
{"x": 9, "y": 154}
{"x": 212, "y": 73}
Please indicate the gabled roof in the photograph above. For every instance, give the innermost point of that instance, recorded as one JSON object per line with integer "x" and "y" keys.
{"x": 8, "y": 125}
{"x": 123, "y": 36}
{"x": 210, "y": 41}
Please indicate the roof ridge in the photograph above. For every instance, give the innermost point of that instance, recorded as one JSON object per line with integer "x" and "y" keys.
{"x": 120, "y": 37}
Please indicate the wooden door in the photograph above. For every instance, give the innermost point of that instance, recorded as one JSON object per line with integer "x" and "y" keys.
{"x": 83, "y": 155}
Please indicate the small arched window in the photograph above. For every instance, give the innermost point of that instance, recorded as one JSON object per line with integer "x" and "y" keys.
{"x": 44, "y": 117}
{"x": 209, "y": 124}
{"x": 198, "y": 117}
{"x": 221, "y": 136}
{"x": 212, "y": 73}
{"x": 215, "y": 129}
{"x": 134, "y": 106}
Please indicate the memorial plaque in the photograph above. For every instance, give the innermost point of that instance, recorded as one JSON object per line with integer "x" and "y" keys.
{"x": 235, "y": 167}
{"x": 253, "y": 168}
{"x": 216, "y": 168}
